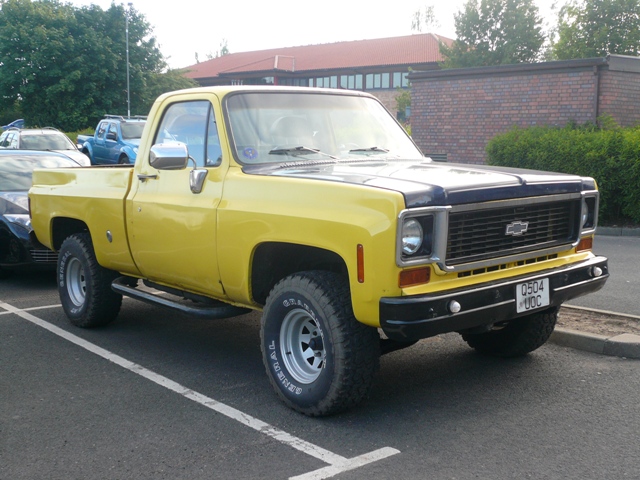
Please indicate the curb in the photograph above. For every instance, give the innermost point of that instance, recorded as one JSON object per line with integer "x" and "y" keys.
{"x": 603, "y": 312}
{"x": 626, "y": 345}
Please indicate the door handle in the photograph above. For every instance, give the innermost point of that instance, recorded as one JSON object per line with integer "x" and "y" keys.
{"x": 143, "y": 178}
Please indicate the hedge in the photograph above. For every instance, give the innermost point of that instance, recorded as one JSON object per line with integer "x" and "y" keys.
{"x": 74, "y": 135}
{"x": 610, "y": 155}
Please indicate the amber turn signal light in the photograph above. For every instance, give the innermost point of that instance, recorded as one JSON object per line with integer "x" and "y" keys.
{"x": 360, "y": 257}
{"x": 414, "y": 277}
{"x": 585, "y": 244}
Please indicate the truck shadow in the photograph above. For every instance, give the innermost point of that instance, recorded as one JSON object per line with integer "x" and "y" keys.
{"x": 439, "y": 382}
{"x": 437, "y": 376}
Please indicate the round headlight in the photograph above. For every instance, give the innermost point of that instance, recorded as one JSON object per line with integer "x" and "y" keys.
{"x": 585, "y": 213}
{"x": 412, "y": 236}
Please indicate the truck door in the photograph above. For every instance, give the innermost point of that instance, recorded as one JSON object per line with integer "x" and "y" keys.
{"x": 173, "y": 230}
{"x": 111, "y": 145}
{"x": 99, "y": 146}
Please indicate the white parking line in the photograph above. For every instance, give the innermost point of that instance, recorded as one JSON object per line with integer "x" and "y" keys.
{"x": 31, "y": 309}
{"x": 337, "y": 463}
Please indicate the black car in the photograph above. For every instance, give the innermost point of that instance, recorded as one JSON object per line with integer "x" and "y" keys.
{"x": 19, "y": 248}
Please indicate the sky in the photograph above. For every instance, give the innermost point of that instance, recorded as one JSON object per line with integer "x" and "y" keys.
{"x": 184, "y": 28}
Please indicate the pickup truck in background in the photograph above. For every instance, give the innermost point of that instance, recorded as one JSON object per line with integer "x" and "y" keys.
{"x": 316, "y": 208}
{"x": 116, "y": 140}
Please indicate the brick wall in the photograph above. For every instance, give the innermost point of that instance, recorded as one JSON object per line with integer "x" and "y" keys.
{"x": 458, "y": 111}
{"x": 620, "y": 97}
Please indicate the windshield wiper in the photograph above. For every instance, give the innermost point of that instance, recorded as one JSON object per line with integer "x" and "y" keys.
{"x": 300, "y": 150}
{"x": 370, "y": 149}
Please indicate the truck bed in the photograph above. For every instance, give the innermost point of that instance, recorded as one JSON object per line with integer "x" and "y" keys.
{"x": 94, "y": 196}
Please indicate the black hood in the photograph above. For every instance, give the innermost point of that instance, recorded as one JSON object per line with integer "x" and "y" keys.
{"x": 14, "y": 203}
{"x": 435, "y": 184}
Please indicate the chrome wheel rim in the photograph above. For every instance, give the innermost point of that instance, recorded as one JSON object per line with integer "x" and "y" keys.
{"x": 302, "y": 346}
{"x": 76, "y": 282}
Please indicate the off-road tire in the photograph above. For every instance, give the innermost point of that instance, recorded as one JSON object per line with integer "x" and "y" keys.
{"x": 517, "y": 337}
{"x": 319, "y": 359}
{"x": 85, "y": 286}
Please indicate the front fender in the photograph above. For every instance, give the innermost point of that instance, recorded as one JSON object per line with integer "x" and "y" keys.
{"x": 87, "y": 149}
{"x": 129, "y": 151}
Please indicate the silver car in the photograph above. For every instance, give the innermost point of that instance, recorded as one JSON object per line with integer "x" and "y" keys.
{"x": 45, "y": 139}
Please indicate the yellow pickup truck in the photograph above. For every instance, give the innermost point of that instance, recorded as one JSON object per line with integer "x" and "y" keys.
{"x": 315, "y": 207}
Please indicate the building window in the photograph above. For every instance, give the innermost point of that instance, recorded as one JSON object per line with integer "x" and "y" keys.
{"x": 385, "y": 80}
{"x": 377, "y": 81}
{"x": 325, "y": 82}
{"x": 401, "y": 80}
{"x": 352, "y": 82}
{"x": 405, "y": 80}
{"x": 259, "y": 81}
{"x": 296, "y": 82}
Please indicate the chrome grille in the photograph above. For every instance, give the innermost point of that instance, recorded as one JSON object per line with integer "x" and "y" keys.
{"x": 476, "y": 235}
{"x": 43, "y": 256}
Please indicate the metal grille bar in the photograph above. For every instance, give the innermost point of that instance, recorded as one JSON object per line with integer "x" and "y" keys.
{"x": 476, "y": 235}
{"x": 43, "y": 256}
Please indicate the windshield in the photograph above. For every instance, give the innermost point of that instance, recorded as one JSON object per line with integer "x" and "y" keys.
{"x": 46, "y": 141}
{"x": 132, "y": 130}
{"x": 284, "y": 127}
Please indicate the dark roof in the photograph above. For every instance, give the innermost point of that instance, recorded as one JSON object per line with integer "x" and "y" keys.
{"x": 394, "y": 51}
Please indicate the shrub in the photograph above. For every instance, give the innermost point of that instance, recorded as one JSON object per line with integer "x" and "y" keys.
{"x": 74, "y": 135}
{"x": 611, "y": 156}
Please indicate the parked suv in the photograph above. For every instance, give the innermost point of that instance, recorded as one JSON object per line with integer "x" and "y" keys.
{"x": 45, "y": 139}
{"x": 116, "y": 140}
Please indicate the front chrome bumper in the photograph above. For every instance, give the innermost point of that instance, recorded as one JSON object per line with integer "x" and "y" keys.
{"x": 420, "y": 316}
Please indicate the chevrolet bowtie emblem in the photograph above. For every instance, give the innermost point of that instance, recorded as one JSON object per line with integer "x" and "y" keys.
{"x": 517, "y": 228}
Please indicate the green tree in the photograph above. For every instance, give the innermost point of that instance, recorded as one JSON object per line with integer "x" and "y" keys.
{"x": 495, "y": 32}
{"x": 596, "y": 28}
{"x": 158, "y": 83}
{"x": 403, "y": 103}
{"x": 224, "y": 50}
{"x": 66, "y": 66}
{"x": 424, "y": 18}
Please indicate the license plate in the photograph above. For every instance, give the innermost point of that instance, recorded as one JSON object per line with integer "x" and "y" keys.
{"x": 532, "y": 295}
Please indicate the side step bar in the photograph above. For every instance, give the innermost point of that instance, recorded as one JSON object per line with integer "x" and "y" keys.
{"x": 221, "y": 310}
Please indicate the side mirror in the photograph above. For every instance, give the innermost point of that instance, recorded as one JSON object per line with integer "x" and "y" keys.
{"x": 112, "y": 136}
{"x": 169, "y": 156}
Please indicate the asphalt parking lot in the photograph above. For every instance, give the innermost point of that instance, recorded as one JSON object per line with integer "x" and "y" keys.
{"x": 160, "y": 395}
{"x": 621, "y": 290}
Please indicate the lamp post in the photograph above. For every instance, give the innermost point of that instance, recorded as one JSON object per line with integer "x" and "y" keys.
{"x": 126, "y": 22}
